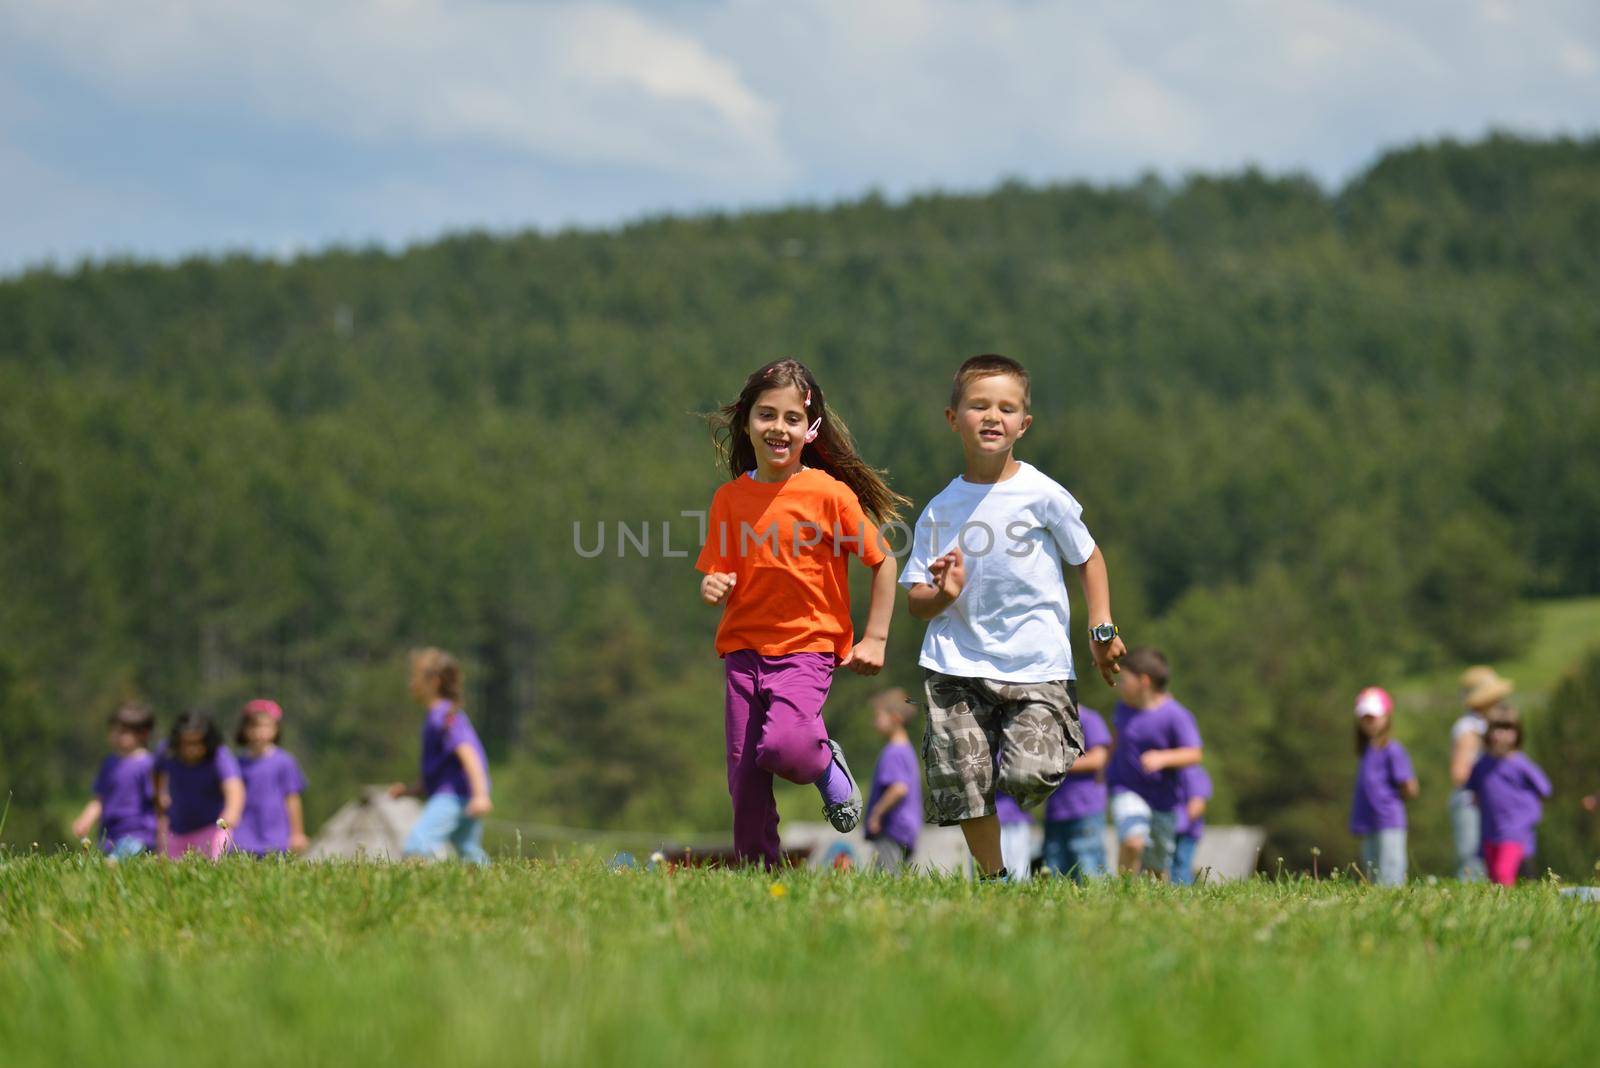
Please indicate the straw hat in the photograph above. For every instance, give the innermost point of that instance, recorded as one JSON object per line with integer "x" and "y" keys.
{"x": 1489, "y": 693}
{"x": 1476, "y": 676}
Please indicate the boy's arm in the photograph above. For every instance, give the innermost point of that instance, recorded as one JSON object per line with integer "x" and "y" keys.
{"x": 1154, "y": 760}
{"x": 87, "y": 818}
{"x": 232, "y": 801}
{"x": 868, "y": 655}
{"x": 949, "y": 575}
{"x": 478, "y": 782}
{"x": 893, "y": 794}
{"x": 1097, "y": 594}
{"x": 1095, "y": 759}
{"x": 297, "y": 823}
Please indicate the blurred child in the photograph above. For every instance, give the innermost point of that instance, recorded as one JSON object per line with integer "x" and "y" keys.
{"x": 124, "y": 801}
{"x": 1384, "y": 783}
{"x": 1156, "y": 737}
{"x": 197, "y": 784}
{"x": 894, "y": 805}
{"x": 987, "y": 572}
{"x": 455, "y": 770}
{"x": 273, "y": 821}
{"x": 1075, "y": 815}
{"x": 1510, "y": 790}
{"x": 1481, "y": 689}
{"x": 776, "y": 561}
{"x": 1194, "y": 794}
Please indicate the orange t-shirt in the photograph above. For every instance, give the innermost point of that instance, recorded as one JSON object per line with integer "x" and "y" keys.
{"x": 788, "y": 542}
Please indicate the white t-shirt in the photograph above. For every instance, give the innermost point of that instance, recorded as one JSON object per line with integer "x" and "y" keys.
{"x": 1012, "y": 622}
{"x": 1468, "y": 724}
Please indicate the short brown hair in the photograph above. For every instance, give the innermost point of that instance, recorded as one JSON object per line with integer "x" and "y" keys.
{"x": 134, "y": 717}
{"x": 985, "y": 366}
{"x": 894, "y": 702}
{"x": 1149, "y": 662}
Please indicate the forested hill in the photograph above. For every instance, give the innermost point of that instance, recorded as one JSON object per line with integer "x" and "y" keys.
{"x": 1323, "y": 439}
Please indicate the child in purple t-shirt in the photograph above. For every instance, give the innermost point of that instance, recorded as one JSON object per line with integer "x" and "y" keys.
{"x": 1156, "y": 736}
{"x": 273, "y": 821}
{"x": 455, "y": 769}
{"x": 1075, "y": 815}
{"x": 1509, "y": 789}
{"x": 198, "y": 788}
{"x": 894, "y": 805}
{"x": 1194, "y": 793}
{"x": 124, "y": 801}
{"x": 1384, "y": 783}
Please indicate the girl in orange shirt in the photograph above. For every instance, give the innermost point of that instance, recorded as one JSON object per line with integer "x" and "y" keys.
{"x": 775, "y": 559}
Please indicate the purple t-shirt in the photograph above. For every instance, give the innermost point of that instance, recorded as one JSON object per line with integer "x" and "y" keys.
{"x": 1084, "y": 792}
{"x": 126, "y": 787}
{"x": 1166, "y": 726}
{"x": 196, "y": 789}
{"x": 1006, "y": 807}
{"x": 268, "y": 780}
{"x": 1193, "y": 781}
{"x": 1509, "y": 791}
{"x": 446, "y": 728}
{"x": 898, "y": 763}
{"x": 1377, "y": 805}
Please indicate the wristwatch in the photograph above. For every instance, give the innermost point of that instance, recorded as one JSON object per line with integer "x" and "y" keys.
{"x": 1104, "y": 632}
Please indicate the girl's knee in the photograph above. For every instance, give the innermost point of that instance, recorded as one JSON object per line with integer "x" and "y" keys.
{"x": 803, "y": 763}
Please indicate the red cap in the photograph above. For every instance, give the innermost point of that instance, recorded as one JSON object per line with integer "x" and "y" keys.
{"x": 1374, "y": 701}
{"x": 262, "y": 707}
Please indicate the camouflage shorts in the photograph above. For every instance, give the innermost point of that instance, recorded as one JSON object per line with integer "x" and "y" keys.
{"x": 1031, "y": 726}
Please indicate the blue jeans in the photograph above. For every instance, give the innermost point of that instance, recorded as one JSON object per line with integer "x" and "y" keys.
{"x": 444, "y": 820}
{"x": 1076, "y": 847}
{"x": 1183, "y": 860}
{"x": 1465, "y": 828}
{"x": 1383, "y": 855}
{"x": 125, "y": 847}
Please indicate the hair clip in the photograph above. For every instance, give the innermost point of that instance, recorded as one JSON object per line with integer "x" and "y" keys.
{"x": 814, "y": 429}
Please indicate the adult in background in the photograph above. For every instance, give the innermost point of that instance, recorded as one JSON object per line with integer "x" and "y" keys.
{"x": 1481, "y": 689}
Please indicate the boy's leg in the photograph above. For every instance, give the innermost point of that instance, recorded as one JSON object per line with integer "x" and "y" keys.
{"x": 467, "y": 837}
{"x": 1058, "y": 857}
{"x": 1089, "y": 846}
{"x": 755, "y": 812}
{"x": 958, "y": 742}
{"x": 1465, "y": 829}
{"x": 1162, "y": 843}
{"x": 1040, "y": 736}
{"x": 1183, "y": 860}
{"x": 1369, "y": 857}
{"x": 1131, "y": 815}
{"x": 891, "y": 854}
{"x": 428, "y": 836}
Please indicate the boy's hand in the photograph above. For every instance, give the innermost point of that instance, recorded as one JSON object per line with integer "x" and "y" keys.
{"x": 1153, "y": 760}
{"x": 299, "y": 843}
{"x": 866, "y": 658}
{"x": 479, "y": 807}
{"x": 874, "y": 824}
{"x": 399, "y": 789}
{"x": 716, "y": 586}
{"x": 81, "y": 827}
{"x": 948, "y": 574}
{"x": 1197, "y": 808}
{"x": 1106, "y": 656}
{"x": 1591, "y": 803}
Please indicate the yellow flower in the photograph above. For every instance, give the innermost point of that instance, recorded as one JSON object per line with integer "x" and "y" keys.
{"x": 779, "y": 890}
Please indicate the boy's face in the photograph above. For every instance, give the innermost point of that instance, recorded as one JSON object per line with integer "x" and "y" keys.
{"x": 1134, "y": 686}
{"x": 124, "y": 741}
{"x": 191, "y": 747}
{"x": 992, "y": 415}
{"x": 1500, "y": 739}
{"x": 883, "y": 723}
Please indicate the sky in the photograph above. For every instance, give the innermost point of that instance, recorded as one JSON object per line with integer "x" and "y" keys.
{"x": 165, "y": 128}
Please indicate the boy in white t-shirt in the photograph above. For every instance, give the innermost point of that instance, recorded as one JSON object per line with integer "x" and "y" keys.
{"x": 986, "y": 570}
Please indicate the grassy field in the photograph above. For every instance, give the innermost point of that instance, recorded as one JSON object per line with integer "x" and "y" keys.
{"x": 291, "y": 964}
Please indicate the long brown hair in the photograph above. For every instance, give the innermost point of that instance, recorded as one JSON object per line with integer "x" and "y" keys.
{"x": 833, "y": 451}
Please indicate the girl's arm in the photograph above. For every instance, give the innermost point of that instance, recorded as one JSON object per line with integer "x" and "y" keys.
{"x": 1094, "y": 760}
{"x": 1097, "y": 593}
{"x": 1197, "y": 808}
{"x": 868, "y": 655}
{"x": 297, "y": 823}
{"x": 87, "y": 818}
{"x": 1410, "y": 789}
{"x": 478, "y": 782}
{"x": 232, "y": 801}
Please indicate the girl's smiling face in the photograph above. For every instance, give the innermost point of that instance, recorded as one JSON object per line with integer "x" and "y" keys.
{"x": 260, "y": 732}
{"x": 777, "y": 429}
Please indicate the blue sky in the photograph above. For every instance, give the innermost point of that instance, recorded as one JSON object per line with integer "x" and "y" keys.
{"x": 159, "y": 128}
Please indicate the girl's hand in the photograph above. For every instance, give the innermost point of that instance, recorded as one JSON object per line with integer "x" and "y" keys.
{"x": 398, "y": 789}
{"x": 1591, "y": 803}
{"x": 299, "y": 843}
{"x": 1106, "y": 656}
{"x": 479, "y": 807}
{"x": 866, "y": 658}
{"x": 716, "y": 586}
{"x": 82, "y": 826}
{"x": 948, "y": 574}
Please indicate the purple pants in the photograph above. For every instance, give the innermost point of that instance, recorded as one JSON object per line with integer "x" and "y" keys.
{"x": 773, "y": 717}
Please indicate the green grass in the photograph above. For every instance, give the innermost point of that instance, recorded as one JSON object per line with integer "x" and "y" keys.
{"x": 291, "y": 964}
